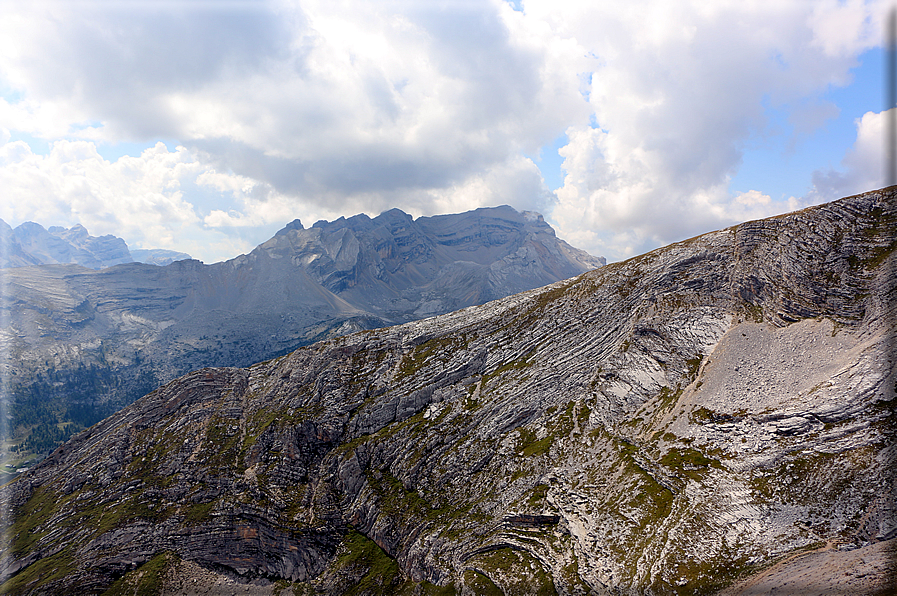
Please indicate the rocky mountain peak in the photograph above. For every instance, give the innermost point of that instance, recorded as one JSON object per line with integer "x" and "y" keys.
{"x": 117, "y": 333}
{"x": 670, "y": 424}
{"x": 293, "y": 225}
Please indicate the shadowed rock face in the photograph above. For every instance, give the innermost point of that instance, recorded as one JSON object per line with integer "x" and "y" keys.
{"x": 657, "y": 426}
{"x": 97, "y": 340}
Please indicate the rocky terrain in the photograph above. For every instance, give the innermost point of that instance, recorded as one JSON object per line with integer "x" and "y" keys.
{"x": 82, "y": 343}
{"x": 717, "y": 410}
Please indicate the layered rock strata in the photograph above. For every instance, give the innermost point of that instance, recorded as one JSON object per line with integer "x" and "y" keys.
{"x": 665, "y": 425}
{"x": 84, "y": 343}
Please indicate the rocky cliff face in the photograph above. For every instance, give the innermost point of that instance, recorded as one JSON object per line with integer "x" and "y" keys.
{"x": 84, "y": 343}
{"x": 665, "y": 425}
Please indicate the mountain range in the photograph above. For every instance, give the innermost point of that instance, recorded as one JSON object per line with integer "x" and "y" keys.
{"x": 31, "y": 244}
{"x": 715, "y": 415}
{"x": 83, "y": 342}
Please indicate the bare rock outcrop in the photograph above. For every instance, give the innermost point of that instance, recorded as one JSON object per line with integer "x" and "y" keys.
{"x": 665, "y": 425}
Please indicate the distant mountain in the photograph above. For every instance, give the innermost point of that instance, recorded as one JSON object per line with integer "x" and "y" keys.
{"x": 31, "y": 244}
{"x": 86, "y": 342}
{"x": 715, "y": 409}
{"x": 158, "y": 256}
{"x": 403, "y": 269}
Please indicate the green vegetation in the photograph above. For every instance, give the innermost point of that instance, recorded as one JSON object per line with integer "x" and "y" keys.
{"x": 549, "y": 296}
{"x": 57, "y": 404}
{"x": 815, "y": 479}
{"x": 438, "y": 347}
{"x": 694, "y": 364}
{"x": 480, "y": 585}
{"x": 519, "y": 364}
{"x": 146, "y": 580}
{"x": 637, "y": 491}
{"x": 41, "y": 573}
{"x": 518, "y": 573}
{"x": 197, "y": 513}
{"x": 379, "y": 573}
{"x": 410, "y": 588}
{"x": 754, "y": 312}
{"x": 537, "y": 497}
{"x": 32, "y": 515}
{"x": 529, "y": 446}
{"x": 701, "y": 415}
{"x": 629, "y": 283}
{"x": 222, "y": 440}
{"x": 688, "y": 462}
{"x": 708, "y": 577}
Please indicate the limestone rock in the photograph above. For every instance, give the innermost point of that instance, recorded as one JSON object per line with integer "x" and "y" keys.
{"x": 90, "y": 341}
{"x": 664, "y": 425}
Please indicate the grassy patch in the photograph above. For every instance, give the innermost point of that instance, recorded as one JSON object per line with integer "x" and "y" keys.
{"x": 754, "y": 312}
{"x": 549, "y": 296}
{"x": 362, "y": 557}
{"x": 33, "y": 514}
{"x": 221, "y": 443}
{"x": 197, "y": 513}
{"x": 537, "y": 497}
{"x": 480, "y": 585}
{"x": 518, "y": 573}
{"x": 529, "y": 446}
{"x": 519, "y": 364}
{"x": 439, "y": 347}
{"x": 701, "y": 415}
{"x": 146, "y": 580}
{"x": 694, "y": 364}
{"x": 41, "y": 573}
{"x": 693, "y": 578}
{"x": 688, "y": 462}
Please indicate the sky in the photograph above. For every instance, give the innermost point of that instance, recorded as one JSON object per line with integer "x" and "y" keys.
{"x": 204, "y": 126}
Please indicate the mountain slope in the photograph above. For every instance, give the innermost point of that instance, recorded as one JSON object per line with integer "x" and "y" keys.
{"x": 84, "y": 343}
{"x": 659, "y": 426}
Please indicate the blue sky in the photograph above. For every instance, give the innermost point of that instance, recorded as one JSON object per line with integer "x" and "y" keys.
{"x": 781, "y": 163}
{"x": 206, "y": 126}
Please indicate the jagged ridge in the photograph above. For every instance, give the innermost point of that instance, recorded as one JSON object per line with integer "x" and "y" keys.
{"x": 89, "y": 342}
{"x": 661, "y": 425}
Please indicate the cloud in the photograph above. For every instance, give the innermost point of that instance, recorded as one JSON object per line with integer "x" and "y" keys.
{"x": 322, "y": 100}
{"x": 138, "y": 198}
{"x": 862, "y": 166}
{"x": 676, "y": 91}
{"x": 320, "y": 109}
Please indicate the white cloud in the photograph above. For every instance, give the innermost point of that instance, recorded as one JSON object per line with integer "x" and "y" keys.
{"x": 676, "y": 90}
{"x": 319, "y": 109}
{"x": 138, "y": 198}
{"x": 862, "y": 166}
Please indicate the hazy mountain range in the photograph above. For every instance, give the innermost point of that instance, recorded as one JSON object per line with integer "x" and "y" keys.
{"x": 31, "y": 244}
{"x": 718, "y": 410}
{"x": 84, "y": 342}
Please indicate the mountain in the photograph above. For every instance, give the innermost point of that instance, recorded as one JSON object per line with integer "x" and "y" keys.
{"x": 719, "y": 410}
{"x": 83, "y": 343}
{"x": 31, "y": 244}
{"x": 158, "y": 256}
